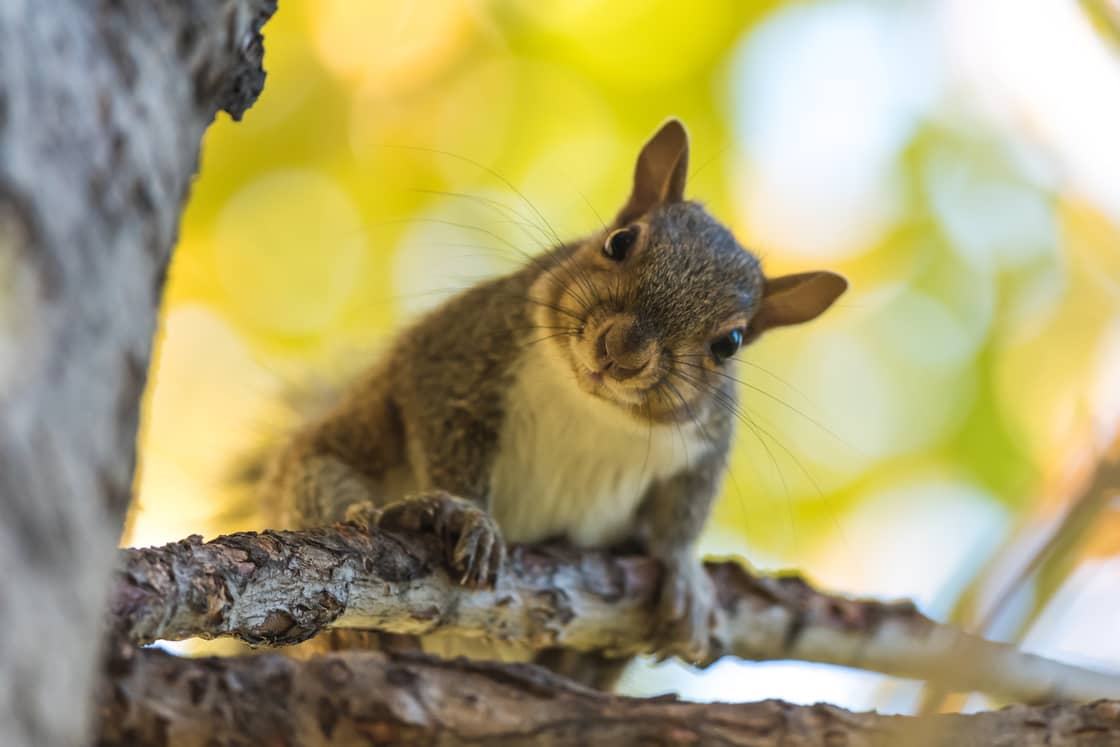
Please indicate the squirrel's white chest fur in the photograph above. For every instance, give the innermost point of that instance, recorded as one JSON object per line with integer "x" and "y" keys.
{"x": 571, "y": 465}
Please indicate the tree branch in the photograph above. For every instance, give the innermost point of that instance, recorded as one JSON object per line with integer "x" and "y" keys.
{"x": 284, "y": 587}
{"x": 377, "y": 698}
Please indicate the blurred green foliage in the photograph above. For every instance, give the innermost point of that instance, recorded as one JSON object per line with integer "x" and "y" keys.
{"x": 889, "y": 141}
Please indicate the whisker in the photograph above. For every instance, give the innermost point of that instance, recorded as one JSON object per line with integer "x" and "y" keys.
{"x": 591, "y": 207}
{"x": 712, "y": 442}
{"x": 734, "y": 409}
{"x": 680, "y": 431}
{"x": 579, "y": 279}
{"x": 770, "y": 395}
{"x": 729, "y": 404}
{"x": 495, "y": 293}
{"x": 501, "y": 208}
{"x": 548, "y": 337}
{"x": 545, "y": 304}
{"x": 497, "y": 206}
{"x": 649, "y": 433}
{"x": 762, "y": 369}
{"x": 710, "y": 160}
{"x": 492, "y": 173}
{"x": 535, "y": 261}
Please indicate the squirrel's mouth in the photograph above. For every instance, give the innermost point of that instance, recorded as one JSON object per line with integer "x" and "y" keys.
{"x": 652, "y": 396}
{"x": 607, "y": 358}
{"x": 656, "y": 400}
{"x": 621, "y": 388}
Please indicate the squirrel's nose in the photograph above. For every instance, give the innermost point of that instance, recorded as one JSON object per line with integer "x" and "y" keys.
{"x": 624, "y": 350}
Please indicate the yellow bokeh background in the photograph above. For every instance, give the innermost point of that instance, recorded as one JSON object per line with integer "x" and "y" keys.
{"x": 943, "y": 411}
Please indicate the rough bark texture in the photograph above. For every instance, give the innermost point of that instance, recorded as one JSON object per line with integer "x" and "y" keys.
{"x": 284, "y": 587}
{"x": 373, "y": 698}
{"x": 102, "y": 107}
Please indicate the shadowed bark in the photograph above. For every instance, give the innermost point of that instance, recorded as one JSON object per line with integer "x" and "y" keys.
{"x": 102, "y": 107}
{"x": 284, "y": 587}
{"x": 380, "y": 698}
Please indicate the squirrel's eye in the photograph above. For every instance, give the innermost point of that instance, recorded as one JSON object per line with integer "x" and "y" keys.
{"x": 726, "y": 346}
{"x": 619, "y": 243}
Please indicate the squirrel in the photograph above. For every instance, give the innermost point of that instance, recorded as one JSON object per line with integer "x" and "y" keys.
{"x": 585, "y": 397}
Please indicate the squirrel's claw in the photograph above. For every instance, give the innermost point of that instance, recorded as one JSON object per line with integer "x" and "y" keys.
{"x": 476, "y": 559}
{"x": 683, "y": 627}
{"x": 474, "y": 544}
{"x": 364, "y": 513}
{"x": 479, "y": 551}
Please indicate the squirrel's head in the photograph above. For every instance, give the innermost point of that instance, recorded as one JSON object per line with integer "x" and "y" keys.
{"x": 651, "y": 311}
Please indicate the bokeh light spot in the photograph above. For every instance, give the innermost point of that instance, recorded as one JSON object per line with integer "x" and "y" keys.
{"x": 388, "y": 46}
{"x": 457, "y": 243}
{"x": 825, "y": 96}
{"x": 203, "y": 367}
{"x": 894, "y": 531}
{"x": 287, "y": 251}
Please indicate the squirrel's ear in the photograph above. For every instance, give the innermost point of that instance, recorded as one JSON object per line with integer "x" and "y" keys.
{"x": 793, "y": 299}
{"x": 660, "y": 173}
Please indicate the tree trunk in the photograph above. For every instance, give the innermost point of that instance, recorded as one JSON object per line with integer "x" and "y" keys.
{"x": 102, "y": 108}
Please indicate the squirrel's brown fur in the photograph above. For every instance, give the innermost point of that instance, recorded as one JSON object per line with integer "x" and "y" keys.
{"x": 583, "y": 397}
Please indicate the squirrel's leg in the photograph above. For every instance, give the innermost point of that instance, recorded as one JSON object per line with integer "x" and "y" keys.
{"x": 449, "y": 452}
{"x": 316, "y": 489}
{"x": 670, "y": 520}
{"x": 360, "y": 466}
{"x": 672, "y": 517}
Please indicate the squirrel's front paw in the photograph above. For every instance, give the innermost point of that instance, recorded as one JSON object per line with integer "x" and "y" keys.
{"x": 476, "y": 551}
{"x": 364, "y": 513}
{"x": 683, "y": 627}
